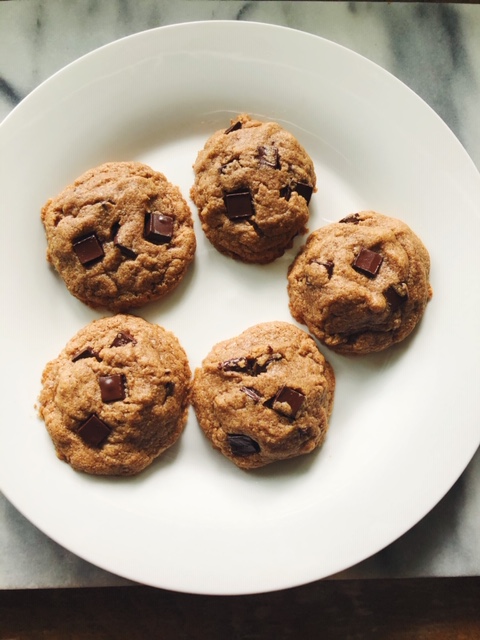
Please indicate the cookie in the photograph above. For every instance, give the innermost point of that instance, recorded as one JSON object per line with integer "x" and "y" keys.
{"x": 117, "y": 396}
{"x": 120, "y": 236}
{"x": 265, "y": 395}
{"x": 253, "y": 184}
{"x": 362, "y": 284}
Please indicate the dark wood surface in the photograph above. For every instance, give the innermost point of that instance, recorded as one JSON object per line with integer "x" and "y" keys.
{"x": 422, "y": 609}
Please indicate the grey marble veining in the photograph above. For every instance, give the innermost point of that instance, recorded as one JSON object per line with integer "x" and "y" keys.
{"x": 433, "y": 48}
{"x": 39, "y": 37}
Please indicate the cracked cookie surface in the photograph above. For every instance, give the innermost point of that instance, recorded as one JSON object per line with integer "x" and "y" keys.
{"x": 117, "y": 396}
{"x": 253, "y": 184}
{"x": 361, "y": 284}
{"x": 120, "y": 236}
{"x": 265, "y": 395}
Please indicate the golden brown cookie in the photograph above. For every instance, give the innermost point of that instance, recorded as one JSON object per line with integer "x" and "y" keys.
{"x": 265, "y": 395}
{"x": 120, "y": 236}
{"x": 117, "y": 396}
{"x": 253, "y": 183}
{"x": 361, "y": 284}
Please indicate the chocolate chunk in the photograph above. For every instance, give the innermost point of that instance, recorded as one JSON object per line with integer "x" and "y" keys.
{"x": 368, "y": 262}
{"x": 242, "y": 445}
{"x": 394, "y": 298}
{"x": 239, "y": 205}
{"x": 328, "y": 266}
{"x": 268, "y": 157}
{"x": 86, "y": 353}
{"x": 158, "y": 228}
{"x": 114, "y": 230}
{"x": 293, "y": 398}
{"x": 125, "y": 251}
{"x": 234, "y": 127}
{"x": 88, "y": 249}
{"x": 249, "y": 366}
{"x": 258, "y": 230}
{"x": 112, "y": 388}
{"x": 122, "y": 338}
{"x": 251, "y": 393}
{"x": 263, "y": 362}
{"x": 304, "y": 190}
{"x": 241, "y": 365}
{"x": 169, "y": 389}
{"x": 258, "y": 368}
{"x": 94, "y": 431}
{"x": 354, "y": 218}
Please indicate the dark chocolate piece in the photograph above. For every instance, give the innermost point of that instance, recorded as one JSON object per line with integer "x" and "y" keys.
{"x": 250, "y": 366}
{"x": 112, "y": 388}
{"x": 169, "y": 389}
{"x": 329, "y": 267}
{"x": 368, "y": 262}
{"x": 354, "y": 218}
{"x": 114, "y": 231}
{"x": 240, "y": 365}
{"x": 242, "y": 445}
{"x": 258, "y": 230}
{"x": 239, "y": 205}
{"x": 125, "y": 251}
{"x": 394, "y": 298}
{"x": 234, "y": 127}
{"x": 122, "y": 338}
{"x": 268, "y": 157}
{"x": 263, "y": 362}
{"x": 94, "y": 431}
{"x": 304, "y": 190}
{"x": 88, "y": 249}
{"x": 158, "y": 228}
{"x": 86, "y": 353}
{"x": 292, "y": 397}
{"x": 251, "y": 393}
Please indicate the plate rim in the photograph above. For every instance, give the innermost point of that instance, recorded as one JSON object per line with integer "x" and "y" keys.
{"x": 242, "y": 26}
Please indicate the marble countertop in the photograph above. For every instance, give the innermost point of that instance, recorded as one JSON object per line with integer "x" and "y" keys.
{"x": 432, "y": 48}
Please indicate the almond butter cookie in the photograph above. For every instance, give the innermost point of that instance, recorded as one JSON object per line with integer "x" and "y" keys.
{"x": 117, "y": 396}
{"x": 361, "y": 284}
{"x": 265, "y": 395}
{"x": 253, "y": 184}
{"x": 120, "y": 236}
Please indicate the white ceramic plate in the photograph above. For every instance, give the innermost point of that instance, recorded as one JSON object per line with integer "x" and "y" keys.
{"x": 405, "y": 422}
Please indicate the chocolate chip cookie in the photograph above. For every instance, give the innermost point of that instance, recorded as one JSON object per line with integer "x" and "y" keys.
{"x": 253, "y": 184}
{"x": 117, "y": 396}
{"x": 120, "y": 236}
{"x": 361, "y": 284}
{"x": 265, "y": 395}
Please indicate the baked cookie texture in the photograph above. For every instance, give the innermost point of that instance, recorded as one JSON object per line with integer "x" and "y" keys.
{"x": 361, "y": 284}
{"x": 253, "y": 184}
{"x": 117, "y": 396}
{"x": 265, "y": 395}
{"x": 120, "y": 236}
